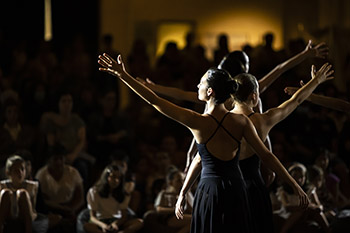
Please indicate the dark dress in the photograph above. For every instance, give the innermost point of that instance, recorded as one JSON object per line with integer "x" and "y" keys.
{"x": 221, "y": 203}
{"x": 258, "y": 194}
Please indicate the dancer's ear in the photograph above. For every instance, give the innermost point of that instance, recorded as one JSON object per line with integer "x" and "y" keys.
{"x": 210, "y": 91}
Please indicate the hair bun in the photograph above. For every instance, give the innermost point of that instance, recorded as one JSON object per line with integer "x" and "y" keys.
{"x": 232, "y": 86}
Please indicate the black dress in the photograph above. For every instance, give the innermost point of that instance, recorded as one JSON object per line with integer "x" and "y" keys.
{"x": 260, "y": 202}
{"x": 221, "y": 203}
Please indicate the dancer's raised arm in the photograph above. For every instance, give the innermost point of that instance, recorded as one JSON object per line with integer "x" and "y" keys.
{"x": 172, "y": 92}
{"x": 184, "y": 116}
{"x": 275, "y": 115}
{"x": 324, "y": 101}
{"x": 320, "y": 50}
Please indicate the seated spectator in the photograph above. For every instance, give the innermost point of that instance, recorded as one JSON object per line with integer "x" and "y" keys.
{"x": 62, "y": 188}
{"x": 43, "y": 213}
{"x": 162, "y": 218}
{"x": 68, "y": 129}
{"x": 108, "y": 202}
{"x": 14, "y": 134}
{"x": 119, "y": 158}
{"x": 108, "y": 129}
{"x": 18, "y": 197}
{"x": 295, "y": 216}
{"x": 328, "y": 192}
{"x": 341, "y": 170}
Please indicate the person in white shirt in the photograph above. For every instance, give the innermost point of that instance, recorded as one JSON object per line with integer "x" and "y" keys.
{"x": 108, "y": 202}
{"x": 61, "y": 185}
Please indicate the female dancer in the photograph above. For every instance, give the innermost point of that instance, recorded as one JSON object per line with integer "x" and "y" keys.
{"x": 235, "y": 63}
{"x": 221, "y": 203}
{"x": 246, "y": 99}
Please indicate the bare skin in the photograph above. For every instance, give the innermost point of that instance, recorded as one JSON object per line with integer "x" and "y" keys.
{"x": 201, "y": 125}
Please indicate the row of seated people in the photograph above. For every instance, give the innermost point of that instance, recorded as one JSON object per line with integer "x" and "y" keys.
{"x": 53, "y": 200}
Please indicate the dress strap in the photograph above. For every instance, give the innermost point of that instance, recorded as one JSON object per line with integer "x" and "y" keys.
{"x": 251, "y": 114}
{"x": 220, "y": 125}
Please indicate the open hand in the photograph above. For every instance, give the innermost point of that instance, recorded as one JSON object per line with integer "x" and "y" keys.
{"x": 323, "y": 74}
{"x": 320, "y": 50}
{"x": 111, "y": 66}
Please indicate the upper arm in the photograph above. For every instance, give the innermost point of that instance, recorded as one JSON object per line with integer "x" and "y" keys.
{"x": 189, "y": 118}
{"x": 268, "y": 79}
{"x": 275, "y": 115}
{"x": 254, "y": 140}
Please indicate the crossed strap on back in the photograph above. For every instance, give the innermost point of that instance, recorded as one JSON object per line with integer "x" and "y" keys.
{"x": 220, "y": 125}
{"x": 251, "y": 114}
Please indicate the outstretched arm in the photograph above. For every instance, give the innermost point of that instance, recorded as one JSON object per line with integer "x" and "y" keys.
{"x": 172, "y": 92}
{"x": 320, "y": 50}
{"x": 193, "y": 172}
{"x": 184, "y": 116}
{"x": 324, "y": 101}
{"x": 275, "y": 115}
{"x": 272, "y": 162}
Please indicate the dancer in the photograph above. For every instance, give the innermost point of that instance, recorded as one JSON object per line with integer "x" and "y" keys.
{"x": 246, "y": 99}
{"x": 235, "y": 63}
{"x": 221, "y": 202}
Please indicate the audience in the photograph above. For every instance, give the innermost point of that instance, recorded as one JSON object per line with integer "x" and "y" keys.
{"x": 97, "y": 128}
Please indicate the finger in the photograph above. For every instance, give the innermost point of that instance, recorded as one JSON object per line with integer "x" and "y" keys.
{"x": 327, "y": 68}
{"x": 108, "y": 57}
{"x": 149, "y": 81}
{"x": 141, "y": 80}
{"x": 313, "y": 70}
{"x": 329, "y": 73}
{"x": 323, "y": 49}
{"x": 104, "y": 62}
{"x": 325, "y": 65}
{"x": 103, "y": 69}
{"x": 322, "y": 44}
{"x": 329, "y": 78}
{"x": 119, "y": 59}
{"x": 309, "y": 43}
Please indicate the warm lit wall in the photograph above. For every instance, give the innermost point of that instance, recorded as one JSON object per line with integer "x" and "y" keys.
{"x": 243, "y": 21}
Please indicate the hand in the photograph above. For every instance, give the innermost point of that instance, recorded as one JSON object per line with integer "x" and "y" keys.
{"x": 323, "y": 74}
{"x": 320, "y": 50}
{"x": 290, "y": 90}
{"x": 105, "y": 228}
{"x": 129, "y": 187}
{"x": 303, "y": 198}
{"x": 114, "y": 226}
{"x": 111, "y": 66}
{"x": 179, "y": 206}
{"x": 148, "y": 83}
